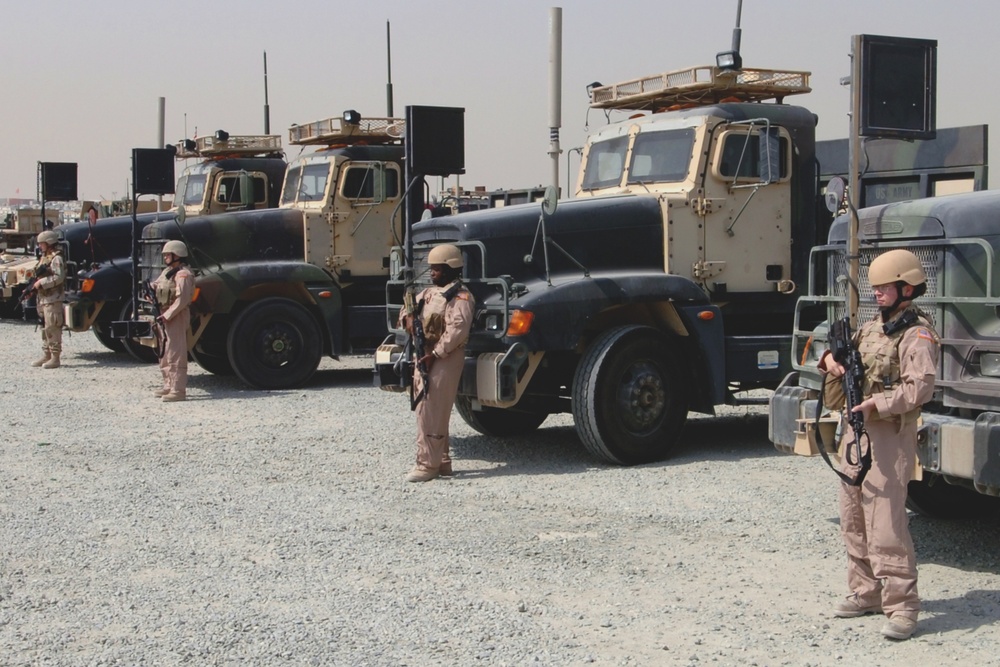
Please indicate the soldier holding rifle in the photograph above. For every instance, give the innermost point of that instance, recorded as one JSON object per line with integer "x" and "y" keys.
{"x": 444, "y": 312}
{"x": 48, "y": 286}
{"x": 899, "y": 350}
{"x": 174, "y": 290}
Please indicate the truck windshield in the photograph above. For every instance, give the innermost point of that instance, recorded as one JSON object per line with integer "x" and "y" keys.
{"x": 605, "y": 163}
{"x": 194, "y": 189}
{"x": 305, "y": 183}
{"x": 661, "y": 157}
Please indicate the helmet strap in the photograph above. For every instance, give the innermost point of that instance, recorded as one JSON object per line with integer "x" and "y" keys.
{"x": 890, "y": 310}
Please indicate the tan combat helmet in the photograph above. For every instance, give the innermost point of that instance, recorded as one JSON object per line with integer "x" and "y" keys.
{"x": 176, "y": 247}
{"x": 446, "y": 254}
{"x": 48, "y": 236}
{"x": 896, "y": 266}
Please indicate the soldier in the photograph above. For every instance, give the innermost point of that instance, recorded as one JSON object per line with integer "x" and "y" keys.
{"x": 50, "y": 288}
{"x": 174, "y": 290}
{"x": 446, "y": 311}
{"x": 900, "y": 351}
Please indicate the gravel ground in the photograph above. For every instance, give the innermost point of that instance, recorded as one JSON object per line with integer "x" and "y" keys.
{"x": 274, "y": 528}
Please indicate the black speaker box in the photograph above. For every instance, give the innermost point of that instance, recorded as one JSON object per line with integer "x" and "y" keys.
{"x": 153, "y": 171}
{"x": 437, "y": 140}
{"x": 898, "y": 87}
{"x": 58, "y": 181}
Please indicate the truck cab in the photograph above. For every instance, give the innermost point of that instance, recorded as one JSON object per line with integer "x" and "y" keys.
{"x": 667, "y": 285}
{"x": 277, "y": 289}
{"x": 232, "y": 173}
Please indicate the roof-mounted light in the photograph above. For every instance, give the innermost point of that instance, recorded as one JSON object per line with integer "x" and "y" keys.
{"x": 352, "y": 117}
{"x": 729, "y": 61}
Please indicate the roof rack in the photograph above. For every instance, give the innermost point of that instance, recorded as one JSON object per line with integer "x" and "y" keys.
{"x": 699, "y": 86}
{"x": 245, "y": 145}
{"x": 337, "y": 131}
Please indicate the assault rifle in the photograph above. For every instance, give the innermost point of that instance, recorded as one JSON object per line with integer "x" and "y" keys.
{"x": 416, "y": 344}
{"x": 156, "y": 327}
{"x": 29, "y": 292}
{"x": 845, "y": 353}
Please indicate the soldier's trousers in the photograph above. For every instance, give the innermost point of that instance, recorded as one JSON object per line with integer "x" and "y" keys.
{"x": 434, "y": 411}
{"x": 881, "y": 563}
{"x": 174, "y": 362}
{"x": 52, "y": 325}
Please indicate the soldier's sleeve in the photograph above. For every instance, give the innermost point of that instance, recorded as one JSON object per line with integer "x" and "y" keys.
{"x": 58, "y": 275}
{"x": 918, "y": 357}
{"x": 457, "y": 324}
{"x": 833, "y": 392}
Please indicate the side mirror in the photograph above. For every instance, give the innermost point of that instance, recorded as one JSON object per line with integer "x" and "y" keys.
{"x": 550, "y": 201}
{"x": 769, "y": 160}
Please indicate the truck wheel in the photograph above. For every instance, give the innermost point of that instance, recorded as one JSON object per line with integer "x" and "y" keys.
{"x": 629, "y": 400}
{"x": 102, "y": 331}
{"x": 498, "y": 421}
{"x": 274, "y": 344}
{"x": 937, "y": 499}
{"x": 138, "y": 351}
{"x": 213, "y": 363}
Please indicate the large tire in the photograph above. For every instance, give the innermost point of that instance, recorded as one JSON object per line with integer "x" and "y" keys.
{"x": 138, "y": 351}
{"x": 498, "y": 421}
{"x": 213, "y": 363}
{"x": 630, "y": 395}
{"x": 937, "y": 499}
{"x": 274, "y": 344}
{"x": 102, "y": 331}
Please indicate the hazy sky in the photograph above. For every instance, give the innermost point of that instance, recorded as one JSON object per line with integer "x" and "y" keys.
{"x": 81, "y": 81}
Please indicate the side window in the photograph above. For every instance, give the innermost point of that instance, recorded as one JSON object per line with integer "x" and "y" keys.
{"x": 740, "y": 158}
{"x": 372, "y": 181}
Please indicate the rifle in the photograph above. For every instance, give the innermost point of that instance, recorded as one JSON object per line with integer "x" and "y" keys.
{"x": 845, "y": 353}
{"x": 416, "y": 343}
{"x": 158, "y": 330}
{"x": 29, "y": 292}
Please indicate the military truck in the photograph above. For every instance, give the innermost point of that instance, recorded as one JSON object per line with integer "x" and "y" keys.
{"x": 233, "y": 173}
{"x": 957, "y": 239}
{"x": 668, "y": 285}
{"x": 277, "y": 289}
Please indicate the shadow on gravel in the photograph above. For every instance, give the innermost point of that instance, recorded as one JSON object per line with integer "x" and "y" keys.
{"x": 327, "y": 378}
{"x": 966, "y": 544}
{"x": 558, "y": 449}
{"x": 106, "y": 358}
{"x": 968, "y": 612}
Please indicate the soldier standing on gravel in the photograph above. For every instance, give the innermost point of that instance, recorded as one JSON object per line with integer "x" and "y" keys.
{"x": 446, "y": 313}
{"x": 900, "y": 354}
{"x": 174, "y": 290}
{"x": 50, "y": 288}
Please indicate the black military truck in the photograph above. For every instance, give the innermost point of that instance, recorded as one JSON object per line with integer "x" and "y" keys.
{"x": 277, "y": 289}
{"x": 233, "y": 173}
{"x": 957, "y": 239}
{"x": 668, "y": 285}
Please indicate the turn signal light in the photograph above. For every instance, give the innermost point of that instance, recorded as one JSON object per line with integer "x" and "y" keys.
{"x": 197, "y": 291}
{"x": 520, "y": 322}
{"x": 706, "y": 315}
{"x": 87, "y": 285}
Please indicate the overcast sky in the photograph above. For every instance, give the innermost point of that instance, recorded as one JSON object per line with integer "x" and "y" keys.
{"x": 81, "y": 81}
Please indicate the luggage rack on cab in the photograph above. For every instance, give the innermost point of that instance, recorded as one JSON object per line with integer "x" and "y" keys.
{"x": 349, "y": 129}
{"x": 699, "y": 86}
{"x": 221, "y": 144}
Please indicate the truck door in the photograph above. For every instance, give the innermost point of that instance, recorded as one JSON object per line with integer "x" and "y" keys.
{"x": 747, "y": 209}
{"x": 366, "y": 199}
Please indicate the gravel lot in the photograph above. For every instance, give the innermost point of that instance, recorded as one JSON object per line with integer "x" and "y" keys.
{"x": 274, "y": 528}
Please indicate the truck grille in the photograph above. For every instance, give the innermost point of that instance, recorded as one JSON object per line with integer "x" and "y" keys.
{"x": 931, "y": 258}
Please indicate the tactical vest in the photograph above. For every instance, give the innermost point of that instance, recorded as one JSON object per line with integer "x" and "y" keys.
{"x": 166, "y": 288}
{"x": 432, "y": 315}
{"x": 45, "y": 266}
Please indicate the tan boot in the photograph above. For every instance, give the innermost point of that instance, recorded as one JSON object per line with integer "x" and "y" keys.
{"x": 46, "y": 355}
{"x": 174, "y": 397}
{"x": 899, "y": 627}
{"x": 53, "y": 362}
{"x": 160, "y": 393}
{"x": 446, "y": 470}
{"x": 421, "y": 474}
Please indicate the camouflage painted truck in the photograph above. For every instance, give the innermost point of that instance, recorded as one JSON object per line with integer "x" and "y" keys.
{"x": 668, "y": 285}
{"x": 957, "y": 239}
{"x": 233, "y": 173}
{"x": 277, "y": 289}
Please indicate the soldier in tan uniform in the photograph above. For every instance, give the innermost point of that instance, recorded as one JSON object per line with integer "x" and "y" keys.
{"x": 49, "y": 299}
{"x": 446, "y": 313}
{"x": 174, "y": 290}
{"x": 900, "y": 352}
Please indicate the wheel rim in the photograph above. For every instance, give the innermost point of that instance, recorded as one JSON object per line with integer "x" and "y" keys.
{"x": 642, "y": 397}
{"x": 278, "y": 345}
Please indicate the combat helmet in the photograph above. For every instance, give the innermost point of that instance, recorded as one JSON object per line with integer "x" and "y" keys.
{"x": 176, "y": 247}
{"x": 48, "y": 236}
{"x": 446, "y": 254}
{"x": 896, "y": 266}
